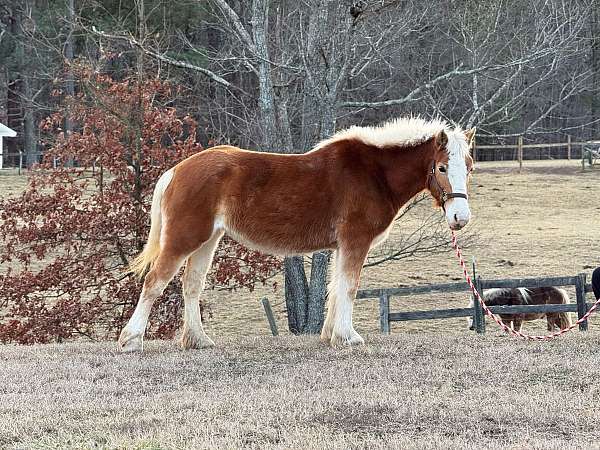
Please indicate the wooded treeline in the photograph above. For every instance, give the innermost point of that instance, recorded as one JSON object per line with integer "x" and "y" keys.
{"x": 280, "y": 75}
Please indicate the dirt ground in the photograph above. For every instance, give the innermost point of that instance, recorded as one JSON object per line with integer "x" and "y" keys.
{"x": 542, "y": 222}
{"x": 407, "y": 391}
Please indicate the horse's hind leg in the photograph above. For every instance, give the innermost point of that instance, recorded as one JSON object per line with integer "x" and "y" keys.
{"x": 155, "y": 282}
{"x": 194, "y": 278}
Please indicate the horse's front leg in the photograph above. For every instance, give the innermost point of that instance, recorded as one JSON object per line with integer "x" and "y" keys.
{"x": 327, "y": 330}
{"x": 346, "y": 275}
{"x": 517, "y": 324}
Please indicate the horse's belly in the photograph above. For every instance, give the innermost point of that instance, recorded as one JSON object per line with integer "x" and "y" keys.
{"x": 529, "y": 317}
{"x": 281, "y": 242}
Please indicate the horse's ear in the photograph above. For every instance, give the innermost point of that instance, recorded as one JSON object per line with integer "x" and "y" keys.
{"x": 441, "y": 138}
{"x": 470, "y": 134}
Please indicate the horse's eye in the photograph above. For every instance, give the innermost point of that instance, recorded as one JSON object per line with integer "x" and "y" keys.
{"x": 442, "y": 169}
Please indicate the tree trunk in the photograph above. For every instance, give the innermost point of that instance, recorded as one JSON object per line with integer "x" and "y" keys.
{"x": 14, "y": 101}
{"x": 296, "y": 293}
{"x": 69, "y": 82}
{"x": 317, "y": 292}
{"x": 595, "y": 65}
{"x": 266, "y": 95}
{"x": 29, "y": 128}
{"x": 319, "y": 119}
{"x": 27, "y": 84}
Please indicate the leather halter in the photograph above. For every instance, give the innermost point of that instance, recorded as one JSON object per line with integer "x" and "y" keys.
{"x": 445, "y": 196}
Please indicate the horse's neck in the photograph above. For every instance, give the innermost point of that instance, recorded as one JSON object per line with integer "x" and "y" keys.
{"x": 406, "y": 172}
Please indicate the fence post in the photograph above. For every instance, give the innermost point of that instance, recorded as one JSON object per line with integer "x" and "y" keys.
{"x": 478, "y": 317}
{"x": 270, "y": 316}
{"x": 20, "y": 161}
{"x": 474, "y": 149}
{"x": 520, "y": 152}
{"x": 480, "y": 327}
{"x": 581, "y": 304}
{"x": 569, "y": 146}
{"x": 384, "y": 314}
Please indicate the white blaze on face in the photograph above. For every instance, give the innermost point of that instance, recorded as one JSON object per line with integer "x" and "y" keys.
{"x": 458, "y": 213}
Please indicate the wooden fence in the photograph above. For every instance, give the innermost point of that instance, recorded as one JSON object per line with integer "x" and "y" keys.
{"x": 386, "y": 316}
{"x": 520, "y": 147}
{"x": 17, "y": 159}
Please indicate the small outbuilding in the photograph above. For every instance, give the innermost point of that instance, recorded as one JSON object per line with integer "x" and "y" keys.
{"x": 5, "y": 132}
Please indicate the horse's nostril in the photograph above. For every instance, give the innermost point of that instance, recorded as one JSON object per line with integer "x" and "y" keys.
{"x": 455, "y": 217}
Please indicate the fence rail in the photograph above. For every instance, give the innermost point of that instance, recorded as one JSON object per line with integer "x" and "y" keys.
{"x": 468, "y": 312}
{"x": 519, "y": 146}
{"x": 386, "y": 317}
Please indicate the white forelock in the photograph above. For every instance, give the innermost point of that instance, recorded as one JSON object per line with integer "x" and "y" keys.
{"x": 407, "y": 131}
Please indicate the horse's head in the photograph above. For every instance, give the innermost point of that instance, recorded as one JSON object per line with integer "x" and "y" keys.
{"x": 449, "y": 172}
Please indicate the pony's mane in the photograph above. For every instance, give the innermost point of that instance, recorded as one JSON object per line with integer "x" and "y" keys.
{"x": 526, "y": 294}
{"x": 492, "y": 294}
{"x": 403, "y": 131}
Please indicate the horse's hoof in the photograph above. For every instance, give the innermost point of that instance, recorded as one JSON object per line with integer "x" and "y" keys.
{"x": 348, "y": 339}
{"x": 129, "y": 343}
{"x": 326, "y": 335}
{"x": 190, "y": 340}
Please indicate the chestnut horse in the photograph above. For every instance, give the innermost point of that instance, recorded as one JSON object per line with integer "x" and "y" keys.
{"x": 533, "y": 296}
{"x": 343, "y": 195}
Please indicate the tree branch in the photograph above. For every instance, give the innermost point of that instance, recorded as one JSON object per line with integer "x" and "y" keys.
{"x": 237, "y": 23}
{"x": 411, "y": 96}
{"x": 174, "y": 62}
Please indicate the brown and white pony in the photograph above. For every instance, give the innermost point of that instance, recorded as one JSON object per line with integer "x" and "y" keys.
{"x": 343, "y": 195}
{"x": 533, "y": 296}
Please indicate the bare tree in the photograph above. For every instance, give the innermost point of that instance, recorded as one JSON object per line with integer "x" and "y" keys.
{"x": 281, "y": 75}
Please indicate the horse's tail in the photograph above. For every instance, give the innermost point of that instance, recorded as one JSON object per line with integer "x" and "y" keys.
{"x": 151, "y": 250}
{"x": 563, "y": 320}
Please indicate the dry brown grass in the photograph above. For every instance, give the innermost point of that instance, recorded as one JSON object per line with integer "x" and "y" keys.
{"x": 430, "y": 385}
{"x": 543, "y": 222}
{"x": 405, "y": 391}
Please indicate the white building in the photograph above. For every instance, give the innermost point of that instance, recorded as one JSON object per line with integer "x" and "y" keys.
{"x": 5, "y": 132}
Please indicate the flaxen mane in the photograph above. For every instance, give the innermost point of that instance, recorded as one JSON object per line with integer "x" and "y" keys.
{"x": 404, "y": 131}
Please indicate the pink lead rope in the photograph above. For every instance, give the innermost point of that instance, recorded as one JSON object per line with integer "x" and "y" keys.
{"x": 498, "y": 320}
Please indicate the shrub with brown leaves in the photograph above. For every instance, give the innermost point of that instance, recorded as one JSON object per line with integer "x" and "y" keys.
{"x": 68, "y": 239}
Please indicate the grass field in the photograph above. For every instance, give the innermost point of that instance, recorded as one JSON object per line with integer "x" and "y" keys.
{"x": 542, "y": 222}
{"x": 432, "y": 384}
{"x": 408, "y": 391}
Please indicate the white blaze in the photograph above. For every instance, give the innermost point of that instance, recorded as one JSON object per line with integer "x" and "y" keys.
{"x": 457, "y": 209}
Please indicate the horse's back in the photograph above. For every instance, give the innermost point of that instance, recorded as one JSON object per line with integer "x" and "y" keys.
{"x": 262, "y": 199}
{"x": 557, "y": 295}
